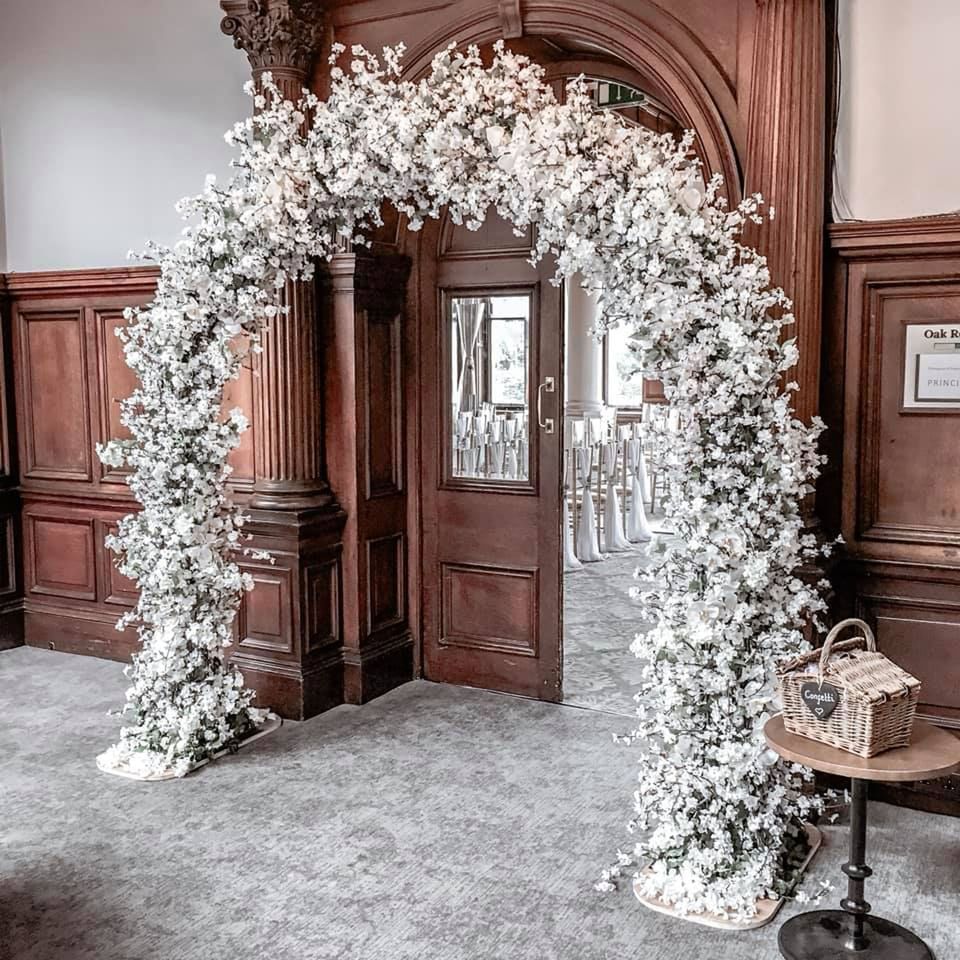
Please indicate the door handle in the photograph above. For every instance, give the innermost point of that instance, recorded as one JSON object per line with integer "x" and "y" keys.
{"x": 550, "y": 385}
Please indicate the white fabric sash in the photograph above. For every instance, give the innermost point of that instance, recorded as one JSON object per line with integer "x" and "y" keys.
{"x": 614, "y": 539}
{"x": 588, "y": 548}
{"x": 570, "y": 561}
{"x": 638, "y": 530}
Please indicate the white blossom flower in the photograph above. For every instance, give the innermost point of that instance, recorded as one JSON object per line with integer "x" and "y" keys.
{"x": 627, "y": 210}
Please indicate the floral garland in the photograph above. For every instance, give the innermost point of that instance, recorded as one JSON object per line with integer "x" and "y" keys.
{"x": 626, "y": 209}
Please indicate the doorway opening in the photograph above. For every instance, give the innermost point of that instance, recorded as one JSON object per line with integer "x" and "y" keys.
{"x": 613, "y": 491}
{"x": 539, "y": 486}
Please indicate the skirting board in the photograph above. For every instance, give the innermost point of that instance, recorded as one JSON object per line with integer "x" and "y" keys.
{"x": 766, "y": 909}
{"x": 272, "y": 722}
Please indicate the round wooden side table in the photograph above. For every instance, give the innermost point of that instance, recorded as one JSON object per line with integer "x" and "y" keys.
{"x": 851, "y": 932}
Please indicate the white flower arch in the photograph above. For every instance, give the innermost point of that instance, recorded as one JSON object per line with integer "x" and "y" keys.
{"x": 616, "y": 204}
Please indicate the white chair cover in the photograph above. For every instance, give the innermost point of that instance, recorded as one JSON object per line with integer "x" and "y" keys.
{"x": 642, "y": 474}
{"x": 588, "y": 548}
{"x": 614, "y": 539}
{"x": 497, "y": 454}
{"x": 638, "y": 530}
{"x": 570, "y": 561}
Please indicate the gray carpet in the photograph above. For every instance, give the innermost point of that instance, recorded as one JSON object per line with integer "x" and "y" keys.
{"x": 599, "y": 622}
{"x": 436, "y": 823}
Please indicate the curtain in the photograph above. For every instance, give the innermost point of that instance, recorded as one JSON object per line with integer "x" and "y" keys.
{"x": 470, "y": 312}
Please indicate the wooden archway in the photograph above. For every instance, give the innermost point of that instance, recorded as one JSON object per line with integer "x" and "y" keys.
{"x": 651, "y": 46}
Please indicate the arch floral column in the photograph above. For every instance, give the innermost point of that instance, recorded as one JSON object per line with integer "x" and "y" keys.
{"x": 289, "y": 647}
{"x": 715, "y": 816}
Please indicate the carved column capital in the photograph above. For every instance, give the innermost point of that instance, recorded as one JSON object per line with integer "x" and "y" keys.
{"x": 276, "y": 34}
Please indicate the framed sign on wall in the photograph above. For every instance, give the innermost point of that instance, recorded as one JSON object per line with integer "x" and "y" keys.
{"x": 931, "y": 367}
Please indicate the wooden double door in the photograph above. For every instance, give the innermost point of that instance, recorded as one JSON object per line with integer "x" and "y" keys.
{"x": 491, "y": 354}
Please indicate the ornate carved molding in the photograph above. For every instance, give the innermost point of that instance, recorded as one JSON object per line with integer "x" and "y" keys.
{"x": 511, "y": 19}
{"x": 862, "y": 239}
{"x": 275, "y": 34}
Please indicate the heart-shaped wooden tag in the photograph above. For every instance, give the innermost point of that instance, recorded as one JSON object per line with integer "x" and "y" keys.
{"x": 821, "y": 698}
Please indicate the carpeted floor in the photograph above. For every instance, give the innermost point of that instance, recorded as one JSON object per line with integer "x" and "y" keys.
{"x": 599, "y": 622}
{"x": 435, "y": 823}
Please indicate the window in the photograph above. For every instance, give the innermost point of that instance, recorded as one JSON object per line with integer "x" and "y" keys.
{"x": 507, "y": 350}
{"x": 624, "y": 378}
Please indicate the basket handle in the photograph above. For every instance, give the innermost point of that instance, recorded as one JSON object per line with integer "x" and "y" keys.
{"x": 834, "y": 633}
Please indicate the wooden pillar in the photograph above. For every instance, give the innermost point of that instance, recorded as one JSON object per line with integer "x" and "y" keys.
{"x": 364, "y": 392}
{"x": 290, "y": 627}
{"x": 785, "y": 162}
{"x": 289, "y": 472}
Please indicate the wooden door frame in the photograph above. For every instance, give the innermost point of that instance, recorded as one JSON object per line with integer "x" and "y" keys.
{"x": 424, "y": 250}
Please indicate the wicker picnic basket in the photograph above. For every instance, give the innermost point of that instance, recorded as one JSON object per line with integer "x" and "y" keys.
{"x": 856, "y": 699}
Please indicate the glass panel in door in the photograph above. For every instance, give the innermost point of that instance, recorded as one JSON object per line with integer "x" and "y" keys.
{"x": 489, "y": 364}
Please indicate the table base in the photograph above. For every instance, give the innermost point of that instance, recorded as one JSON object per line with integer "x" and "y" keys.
{"x": 826, "y": 935}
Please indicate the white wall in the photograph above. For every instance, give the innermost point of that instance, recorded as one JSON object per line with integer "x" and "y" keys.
{"x": 110, "y": 111}
{"x": 898, "y": 140}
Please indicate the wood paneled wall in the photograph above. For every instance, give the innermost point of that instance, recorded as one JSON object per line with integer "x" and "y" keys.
{"x": 327, "y": 619}
{"x": 891, "y": 486}
{"x": 69, "y": 376}
{"x": 364, "y": 388}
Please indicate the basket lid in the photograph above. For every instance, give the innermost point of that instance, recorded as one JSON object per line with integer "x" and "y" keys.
{"x": 856, "y": 666}
{"x": 870, "y": 676}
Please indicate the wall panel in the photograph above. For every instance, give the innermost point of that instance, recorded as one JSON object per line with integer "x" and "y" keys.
{"x": 70, "y": 377}
{"x": 899, "y": 496}
{"x": 117, "y": 381}
{"x": 61, "y": 557}
{"x": 53, "y": 395}
{"x": 113, "y": 587}
{"x": 893, "y": 484}
{"x": 11, "y": 598}
{"x": 363, "y": 335}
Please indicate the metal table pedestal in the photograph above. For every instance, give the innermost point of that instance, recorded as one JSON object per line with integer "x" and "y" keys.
{"x": 851, "y": 932}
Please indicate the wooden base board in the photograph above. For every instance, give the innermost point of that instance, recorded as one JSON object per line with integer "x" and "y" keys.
{"x": 766, "y": 909}
{"x": 88, "y": 633}
{"x": 272, "y": 722}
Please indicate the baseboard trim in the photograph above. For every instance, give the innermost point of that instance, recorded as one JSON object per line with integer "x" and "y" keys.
{"x": 377, "y": 668}
{"x": 91, "y": 635}
{"x": 294, "y": 691}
